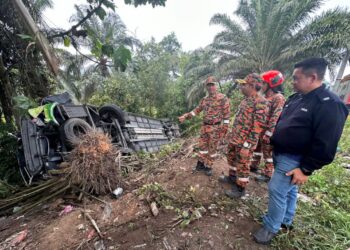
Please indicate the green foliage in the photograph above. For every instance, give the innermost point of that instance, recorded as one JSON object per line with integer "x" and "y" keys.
{"x": 344, "y": 143}
{"x": 25, "y": 37}
{"x": 152, "y": 85}
{"x": 66, "y": 41}
{"x": 168, "y": 149}
{"x": 272, "y": 34}
{"x": 121, "y": 57}
{"x": 8, "y": 162}
{"x": 5, "y": 189}
{"x": 144, "y": 2}
{"x": 101, "y": 13}
{"x": 23, "y": 103}
{"x": 317, "y": 227}
{"x": 155, "y": 192}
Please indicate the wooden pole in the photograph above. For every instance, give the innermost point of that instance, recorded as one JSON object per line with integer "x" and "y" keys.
{"x": 336, "y": 86}
{"x": 40, "y": 39}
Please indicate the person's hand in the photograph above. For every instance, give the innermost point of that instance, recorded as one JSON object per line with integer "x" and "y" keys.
{"x": 244, "y": 153}
{"x": 298, "y": 176}
{"x": 224, "y": 129}
{"x": 182, "y": 118}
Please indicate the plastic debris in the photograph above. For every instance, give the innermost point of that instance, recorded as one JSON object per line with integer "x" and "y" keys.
{"x": 14, "y": 240}
{"x": 154, "y": 209}
{"x": 118, "y": 192}
{"x": 67, "y": 209}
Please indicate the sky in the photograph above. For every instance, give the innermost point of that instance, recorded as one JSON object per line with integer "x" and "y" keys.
{"x": 189, "y": 19}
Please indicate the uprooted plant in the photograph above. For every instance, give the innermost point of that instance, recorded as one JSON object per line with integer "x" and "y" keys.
{"x": 94, "y": 164}
{"x": 93, "y": 167}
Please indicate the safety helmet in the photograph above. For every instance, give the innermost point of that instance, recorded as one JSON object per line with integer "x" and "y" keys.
{"x": 273, "y": 78}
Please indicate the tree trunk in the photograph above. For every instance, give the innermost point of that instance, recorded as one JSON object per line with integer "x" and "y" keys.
{"x": 341, "y": 71}
{"x": 6, "y": 93}
{"x": 40, "y": 39}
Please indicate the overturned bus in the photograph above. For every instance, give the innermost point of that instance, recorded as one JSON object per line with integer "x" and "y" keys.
{"x": 46, "y": 136}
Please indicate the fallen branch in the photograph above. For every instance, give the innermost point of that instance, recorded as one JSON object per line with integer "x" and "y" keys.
{"x": 93, "y": 222}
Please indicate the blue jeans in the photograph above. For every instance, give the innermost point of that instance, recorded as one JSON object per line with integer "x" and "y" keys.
{"x": 282, "y": 194}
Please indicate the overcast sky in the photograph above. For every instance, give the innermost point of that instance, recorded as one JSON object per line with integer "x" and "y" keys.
{"x": 189, "y": 19}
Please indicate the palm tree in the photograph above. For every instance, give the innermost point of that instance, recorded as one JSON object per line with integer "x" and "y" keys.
{"x": 108, "y": 41}
{"x": 82, "y": 74}
{"x": 274, "y": 34}
{"x": 198, "y": 68}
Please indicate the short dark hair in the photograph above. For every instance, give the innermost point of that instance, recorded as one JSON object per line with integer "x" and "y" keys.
{"x": 311, "y": 65}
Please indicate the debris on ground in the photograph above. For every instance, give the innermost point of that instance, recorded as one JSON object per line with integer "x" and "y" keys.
{"x": 67, "y": 209}
{"x": 162, "y": 206}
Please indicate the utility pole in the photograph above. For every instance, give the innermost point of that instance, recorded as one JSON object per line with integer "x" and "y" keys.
{"x": 40, "y": 39}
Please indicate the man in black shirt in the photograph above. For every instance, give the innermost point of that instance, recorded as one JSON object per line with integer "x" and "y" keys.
{"x": 305, "y": 139}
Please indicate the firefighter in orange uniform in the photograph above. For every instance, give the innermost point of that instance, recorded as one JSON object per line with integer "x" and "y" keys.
{"x": 243, "y": 138}
{"x": 272, "y": 89}
{"x": 216, "y": 109}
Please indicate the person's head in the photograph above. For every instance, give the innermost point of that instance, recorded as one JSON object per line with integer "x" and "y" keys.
{"x": 308, "y": 74}
{"x": 272, "y": 80}
{"x": 210, "y": 85}
{"x": 251, "y": 85}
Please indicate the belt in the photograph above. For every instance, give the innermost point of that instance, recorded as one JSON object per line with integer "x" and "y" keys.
{"x": 207, "y": 123}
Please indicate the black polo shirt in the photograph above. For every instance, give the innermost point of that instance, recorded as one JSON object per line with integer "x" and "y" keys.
{"x": 311, "y": 125}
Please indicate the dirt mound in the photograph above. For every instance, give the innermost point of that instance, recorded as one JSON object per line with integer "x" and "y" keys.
{"x": 193, "y": 214}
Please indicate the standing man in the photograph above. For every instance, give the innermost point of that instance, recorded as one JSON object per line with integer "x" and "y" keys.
{"x": 272, "y": 89}
{"x": 244, "y": 135}
{"x": 216, "y": 109}
{"x": 305, "y": 139}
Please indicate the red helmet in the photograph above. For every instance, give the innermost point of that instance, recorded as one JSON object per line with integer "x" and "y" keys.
{"x": 273, "y": 78}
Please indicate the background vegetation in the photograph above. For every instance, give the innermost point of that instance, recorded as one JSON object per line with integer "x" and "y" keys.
{"x": 160, "y": 79}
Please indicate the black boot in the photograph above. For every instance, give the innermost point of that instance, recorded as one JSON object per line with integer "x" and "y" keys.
{"x": 200, "y": 166}
{"x": 254, "y": 170}
{"x": 263, "y": 236}
{"x": 235, "y": 192}
{"x": 229, "y": 179}
{"x": 208, "y": 171}
{"x": 262, "y": 178}
{"x": 287, "y": 227}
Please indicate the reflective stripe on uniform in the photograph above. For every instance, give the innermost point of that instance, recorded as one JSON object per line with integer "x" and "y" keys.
{"x": 257, "y": 153}
{"x": 203, "y": 152}
{"x": 268, "y": 133}
{"x": 269, "y": 160}
{"x": 246, "y": 145}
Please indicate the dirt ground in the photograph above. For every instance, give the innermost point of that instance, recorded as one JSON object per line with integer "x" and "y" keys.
{"x": 221, "y": 223}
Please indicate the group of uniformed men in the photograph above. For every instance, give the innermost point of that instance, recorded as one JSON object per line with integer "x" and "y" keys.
{"x": 304, "y": 132}
{"x": 250, "y": 134}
